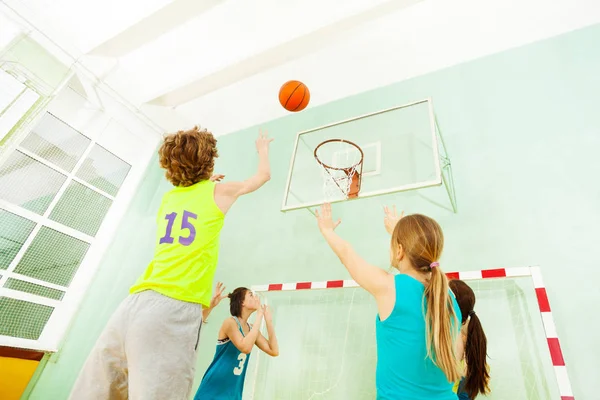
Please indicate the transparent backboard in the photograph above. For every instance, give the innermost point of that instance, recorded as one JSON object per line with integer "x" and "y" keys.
{"x": 400, "y": 153}
{"x": 328, "y": 347}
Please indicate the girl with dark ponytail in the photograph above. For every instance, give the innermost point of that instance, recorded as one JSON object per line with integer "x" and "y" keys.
{"x": 224, "y": 378}
{"x": 474, "y": 345}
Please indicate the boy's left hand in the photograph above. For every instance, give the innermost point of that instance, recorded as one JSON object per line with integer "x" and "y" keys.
{"x": 217, "y": 177}
{"x": 218, "y": 295}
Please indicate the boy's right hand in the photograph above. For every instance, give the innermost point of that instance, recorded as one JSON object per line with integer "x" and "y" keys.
{"x": 262, "y": 143}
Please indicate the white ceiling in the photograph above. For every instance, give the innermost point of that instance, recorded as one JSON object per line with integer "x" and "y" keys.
{"x": 220, "y": 63}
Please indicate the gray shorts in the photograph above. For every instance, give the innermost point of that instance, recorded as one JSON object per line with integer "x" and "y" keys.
{"x": 147, "y": 351}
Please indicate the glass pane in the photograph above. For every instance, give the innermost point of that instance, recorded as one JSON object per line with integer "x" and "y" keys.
{"x": 396, "y": 147}
{"x": 32, "y": 288}
{"x": 52, "y": 257}
{"x": 56, "y": 142}
{"x": 81, "y": 208}
{"x": 23, "y": 319}
{"x": 104, "y": 170}
{"x": 28, "y": 183}
{"x": 14, "y": 230}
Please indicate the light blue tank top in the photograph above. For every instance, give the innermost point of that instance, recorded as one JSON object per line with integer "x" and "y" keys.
{"x": 404, "y": 372}
{"x": 224, "y": 378}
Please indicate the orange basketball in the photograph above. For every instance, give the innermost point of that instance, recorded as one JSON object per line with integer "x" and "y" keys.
{"x": 294, "y": 96}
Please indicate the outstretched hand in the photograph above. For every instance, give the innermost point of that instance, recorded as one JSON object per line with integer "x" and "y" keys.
{"x": 391, "y": 218}
{"x": 218, "y": 295}
{"x": 325, "y": 220}
{"x": 263, "y": 141}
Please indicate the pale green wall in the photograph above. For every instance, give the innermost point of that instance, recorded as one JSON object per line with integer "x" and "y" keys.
{"x": 523, "y": 132}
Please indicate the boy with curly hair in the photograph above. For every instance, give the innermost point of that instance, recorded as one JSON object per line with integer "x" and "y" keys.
{"x": 148, "y": 348}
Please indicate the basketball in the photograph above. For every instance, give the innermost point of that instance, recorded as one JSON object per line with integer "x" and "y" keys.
{"x": 294, "y": 96}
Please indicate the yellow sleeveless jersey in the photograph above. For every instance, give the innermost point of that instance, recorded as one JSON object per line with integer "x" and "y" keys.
{"x": 187, "y": 245}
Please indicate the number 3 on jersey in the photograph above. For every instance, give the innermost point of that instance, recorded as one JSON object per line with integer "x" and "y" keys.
{"x": 240, "y": 368}
{"x": 185, "y": 224}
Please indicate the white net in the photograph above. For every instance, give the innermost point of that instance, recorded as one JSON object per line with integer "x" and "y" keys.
{"x": 327, "y": 344}
{"x": 520, "y": 364}
{"x": 341, "y": 167}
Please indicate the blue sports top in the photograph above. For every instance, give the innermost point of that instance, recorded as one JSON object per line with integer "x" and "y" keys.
{"x": 404, "y": 372}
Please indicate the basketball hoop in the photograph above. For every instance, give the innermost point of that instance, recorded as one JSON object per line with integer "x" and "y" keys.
{"x": 342, "y": 162}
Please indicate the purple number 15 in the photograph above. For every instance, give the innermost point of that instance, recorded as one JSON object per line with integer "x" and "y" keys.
{"x": 185, "y": 224}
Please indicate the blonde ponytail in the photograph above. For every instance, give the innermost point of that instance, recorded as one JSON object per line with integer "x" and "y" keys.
{"x": 422, "y": 241}
{"x": 441, "y": 324}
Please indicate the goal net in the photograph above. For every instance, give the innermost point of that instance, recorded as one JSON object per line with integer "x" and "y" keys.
{"x": 326, "y": 335}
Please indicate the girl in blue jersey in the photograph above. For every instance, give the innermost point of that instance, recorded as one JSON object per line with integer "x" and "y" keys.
{"x": 224, "y": 378}
{"x": 472, "y": 349}
{"x": 417, "y": 327}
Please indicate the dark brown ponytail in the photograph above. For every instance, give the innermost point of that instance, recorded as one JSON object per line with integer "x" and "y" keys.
{"x": 477, "y": 376}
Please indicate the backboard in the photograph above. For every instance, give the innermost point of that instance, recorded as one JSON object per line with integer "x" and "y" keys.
{"x": 401, "y": 147}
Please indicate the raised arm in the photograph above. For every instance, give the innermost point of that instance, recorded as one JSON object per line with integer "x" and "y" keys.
{"x": 373, "y": 279}
{"x": 228, "y": 192}
{"x": 243, "y": 343}
{"x": 270, "y": 345}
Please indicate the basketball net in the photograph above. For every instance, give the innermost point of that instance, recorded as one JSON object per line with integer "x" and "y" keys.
{"x": 341, "y": 167}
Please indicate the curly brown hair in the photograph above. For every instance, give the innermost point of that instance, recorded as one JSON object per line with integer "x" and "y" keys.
{"x": 188, "y": 156}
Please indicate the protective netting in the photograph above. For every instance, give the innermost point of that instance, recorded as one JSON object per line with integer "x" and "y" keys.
{"x": 328, "y": 347}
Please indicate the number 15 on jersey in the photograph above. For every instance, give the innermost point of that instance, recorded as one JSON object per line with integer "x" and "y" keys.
{"x": 186, "y": 224}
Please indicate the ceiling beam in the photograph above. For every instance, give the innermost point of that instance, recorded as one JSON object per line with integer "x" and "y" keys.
{"x": 275, "y": 56}
{"x": 148, "y": 29}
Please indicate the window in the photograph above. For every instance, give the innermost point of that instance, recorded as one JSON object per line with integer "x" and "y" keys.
{"x": 56, "y": 189}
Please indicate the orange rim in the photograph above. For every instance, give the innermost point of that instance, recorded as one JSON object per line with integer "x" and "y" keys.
{"x": 355, "y": 180}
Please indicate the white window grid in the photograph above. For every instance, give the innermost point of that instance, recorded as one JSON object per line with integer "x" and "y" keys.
{"x": 47, "y": 341}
